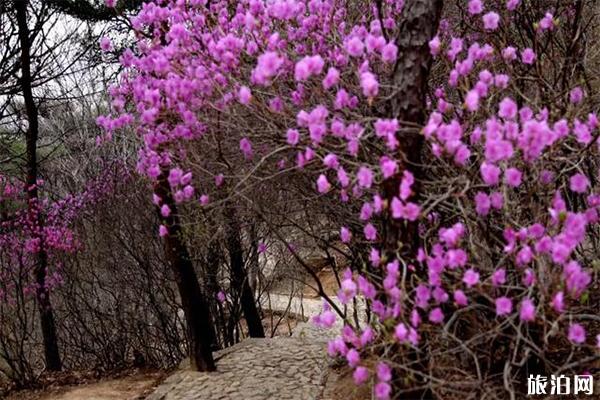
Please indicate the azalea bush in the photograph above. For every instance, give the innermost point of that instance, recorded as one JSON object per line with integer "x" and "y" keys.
{"x": 461, "y": 161}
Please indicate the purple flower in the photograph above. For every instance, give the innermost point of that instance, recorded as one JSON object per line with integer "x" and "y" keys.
{"x": 528, "y": 56}
{"x": 475, "y": 7}
{"x": 323, "y": 184}
{"x": 577, "y": 334}
{"x": 401, "y": 332}
{"x": 527, "y": 310}
{"x": 382, "y": 391}
{"x": 460, "y": 298}
{"x": 512, "y": 177}
{"x": 345, "y": 235}
{"x": 355, "y": 47}
{"x": 244, "y": 95}
{"x": 576, "y": 95}
{"x": 482, "y": 203}
{"x": 389, "y": 53}
{"x": 507, "y": 108}
{"x": 246, "y": 147}
{"x": 579, "y": 183}
{"x": 353, "y": 357}
{"x": 490, "y": 21}
{"x": 490, "y": 174}
{"x": 471, "y": 277}
{"x": 436, "y": 316}
{"x": 364, "y": 177}
{"x": 163, "y": 231}
{"x": 360, "y": 375}
{"x": 503, "y": 306}
{"x": 370, "y": 232}
{"x": 369, "y": 84}
{"x": 106, "y": 44}
{"x": 384, "y": 372}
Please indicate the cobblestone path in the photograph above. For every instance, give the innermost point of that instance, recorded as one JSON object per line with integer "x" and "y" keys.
{"x": 282, "y": 368}
{"x": 255, "y": 369}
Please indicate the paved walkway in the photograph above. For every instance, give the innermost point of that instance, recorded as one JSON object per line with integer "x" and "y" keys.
{"x": 291, "y": 368}
{"x": 282, "y": 368}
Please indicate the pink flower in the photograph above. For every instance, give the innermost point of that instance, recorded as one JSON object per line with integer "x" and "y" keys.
{"x": 558, "y": 302}
{"x": 527, "y": 310}
{"x": 389, "y": 53}
{"x": 482, "y": 204}
{"x": 576, "y": 95}
{"x": 353, "y": 357}
{"x": 577, "y": 334}
{"x": 331, "y": 161}
{"x": 512, "y": 177}
{"x": 472, "y": 100}
{"x": 345, "y": 235}
{"x": 165, "y": 211}
{"x": 221, "y": 297}
{"x": 163, "y": 231}
{"x": 436, "y": 316}
{"x": 460, "y": 298}
{"x": 528, "y": 56}
{"x": 509, "y": 53}
{"x": 388, "y": 167}
{"x": 490, "y": 21}
{"x": 471, "y": 277}
{"x": 246, "y": 147}
{"x": 293, "y": 137}
{"x": 370, "y": 232}
{"x": 508, "y": 108}
{"x": 384, "y": 372}
{"x": 401, "y": 332}
{"x": 579, "y": 183}
{"x": 369, "y": 84}
{"x": 435, "y": 46}
{"x": 382, "y": 391}
{"x": 269, "y": 64}
{"x": 499, "y": 277}
{"x": 512, "y": 4}
{"x": 547, "y": 23}
{"x": 490, "y": 174}
{"x": 475, "y": 7}
{"x": 323, "y": 184}
{"x": 355, "y": 47}
{"x": 360, "y": 375}
{"x": 332, "y": 78}
{"x": 364, "y": 177}
{"x": 110, "y": 3}
{"x": 503, "y": 306}
{"x": 244, "y": 95}
{"x": 106, "y": 44}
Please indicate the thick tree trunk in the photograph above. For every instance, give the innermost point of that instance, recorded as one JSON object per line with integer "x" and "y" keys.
{"x": 200, "y": 326}
{"x": 240, "y": 277}
{"x": 51, "y": 353}
{"x": 417, "y": 26}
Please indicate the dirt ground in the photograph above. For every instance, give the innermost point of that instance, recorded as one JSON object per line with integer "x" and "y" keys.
{"x": 131, "y": 387}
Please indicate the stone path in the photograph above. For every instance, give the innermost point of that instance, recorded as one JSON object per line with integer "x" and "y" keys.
{"x": 256, "y": 369}
{"x": 282, "y": 368}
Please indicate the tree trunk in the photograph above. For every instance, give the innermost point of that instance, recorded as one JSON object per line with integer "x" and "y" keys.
{"x": 418, "y": 25}
{"x": 240, "y": 277}
{"x": 51, "y": 353}
{"x": 200, "y": 326}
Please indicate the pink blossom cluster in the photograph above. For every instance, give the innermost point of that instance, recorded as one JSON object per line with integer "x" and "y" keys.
{"x": 309, "y": 77}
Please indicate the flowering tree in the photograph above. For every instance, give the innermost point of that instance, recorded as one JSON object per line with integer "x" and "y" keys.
{"x": 475, "y": 206}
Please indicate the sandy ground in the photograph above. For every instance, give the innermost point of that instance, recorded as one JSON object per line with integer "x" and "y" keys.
{"x": 127, "y": 388}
